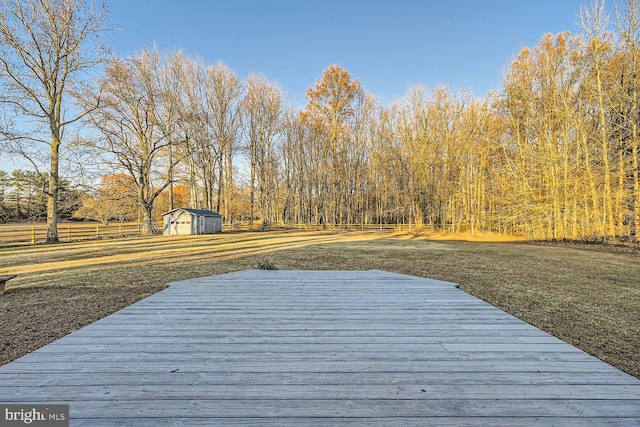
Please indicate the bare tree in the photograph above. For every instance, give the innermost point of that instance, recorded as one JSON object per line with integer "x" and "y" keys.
{"x": 331, "y": 112}
{"x": 168, "y": 75}
{"x": 262, "y": 110}
{"x": 223, "y": 94}
{"x": 210, "y": 121}
{"x": 132, "y": 129}
{"x": 296, "y": 163}
{"x": 45, "y": 47}
{"x": 594, "y": 21}
{"x": 628, "y": 24}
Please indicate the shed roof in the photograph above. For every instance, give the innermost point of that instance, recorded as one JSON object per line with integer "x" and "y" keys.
{"x": 201, "y": 212}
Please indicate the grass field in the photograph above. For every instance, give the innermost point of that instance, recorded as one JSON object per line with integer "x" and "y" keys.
{"x": 588, "y": 296}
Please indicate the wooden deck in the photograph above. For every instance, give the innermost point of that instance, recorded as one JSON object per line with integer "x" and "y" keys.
{"x": 307, "y": 348}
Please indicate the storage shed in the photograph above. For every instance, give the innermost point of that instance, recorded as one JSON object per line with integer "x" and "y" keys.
{"x": 191, "y": 221}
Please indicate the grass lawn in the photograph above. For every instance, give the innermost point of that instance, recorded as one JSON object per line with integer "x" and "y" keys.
{"x": 588, "y": 296}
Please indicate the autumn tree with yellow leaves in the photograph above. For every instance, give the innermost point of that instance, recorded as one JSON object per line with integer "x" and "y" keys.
{"x": 553, "y": 155}
{"x": 331, "y": 116}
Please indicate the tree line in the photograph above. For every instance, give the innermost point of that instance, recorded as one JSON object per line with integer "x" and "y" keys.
{"x": 552, "y": 155}
{"x": 22, "y": 197}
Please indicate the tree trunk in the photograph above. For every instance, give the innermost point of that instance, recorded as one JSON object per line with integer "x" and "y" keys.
{"x": 608, "y": 220}
{"x": 635, "y": 172}
{"x": 636, "y": 190}
{"x": 252, "y": 190}
{"x": 220, "y": 181}
{"x": 170, "y": 177}
{"x": 229, "y": 185}
{"x": 147, "y": 228}
{"x": 52, "y": 194}
{"x": 193, "y": 186}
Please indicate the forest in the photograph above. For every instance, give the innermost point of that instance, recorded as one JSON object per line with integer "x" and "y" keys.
{"x": 553, "y": 155}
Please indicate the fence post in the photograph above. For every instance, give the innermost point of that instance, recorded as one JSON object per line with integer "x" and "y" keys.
{"x": 33, "y": 235}
{"x": 97, "y": 231}
{"x": 69, "y": 233}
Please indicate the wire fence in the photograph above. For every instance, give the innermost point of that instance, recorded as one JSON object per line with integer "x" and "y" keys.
{"x": 34, "y": 233}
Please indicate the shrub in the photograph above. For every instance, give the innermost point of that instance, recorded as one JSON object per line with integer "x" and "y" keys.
{"x": 266, "y": 265}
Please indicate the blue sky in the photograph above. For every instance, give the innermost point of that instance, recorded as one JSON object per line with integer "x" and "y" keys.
{"x": 389, "y": 45}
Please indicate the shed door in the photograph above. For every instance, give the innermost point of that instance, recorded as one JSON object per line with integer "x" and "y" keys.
{"x": 184, "y": 224}
{"x": 201, "y": 229}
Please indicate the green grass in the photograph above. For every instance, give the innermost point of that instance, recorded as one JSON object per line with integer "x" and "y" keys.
{"x": 588, "y": 297}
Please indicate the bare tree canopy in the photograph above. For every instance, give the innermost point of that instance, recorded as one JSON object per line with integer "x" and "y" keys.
{"x": 262, "y": 117}
{"x": 46, "y": 46}
{"x": 135, "y": 124}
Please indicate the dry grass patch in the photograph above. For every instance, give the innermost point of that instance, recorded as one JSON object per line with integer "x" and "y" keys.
{"x": 590, "y": 298}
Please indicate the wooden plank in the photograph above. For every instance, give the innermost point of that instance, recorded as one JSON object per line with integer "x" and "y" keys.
{"x": 319, "y": 348}
{"x": 512, "y": 421}
{"x": 326, "y": 391}
{"x": 346, "y": 408}
{"x": 114, "y": 336}
{"x": 79, "y": 344}
{"x": 3, "y": 281}
{"x": 318, "y": 357}
{"x": 302, "y": 323}
{"x": 307, "y": 378}
{"x": 134, "y": 346}
{"x": 58, "y": 364}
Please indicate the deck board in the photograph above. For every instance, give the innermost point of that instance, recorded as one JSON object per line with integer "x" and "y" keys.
{"x": 319, "y": 348}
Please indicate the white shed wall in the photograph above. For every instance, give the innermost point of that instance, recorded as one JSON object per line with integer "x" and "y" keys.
{"x": 178, "y": 222}
{"x": 184, "y": 223}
